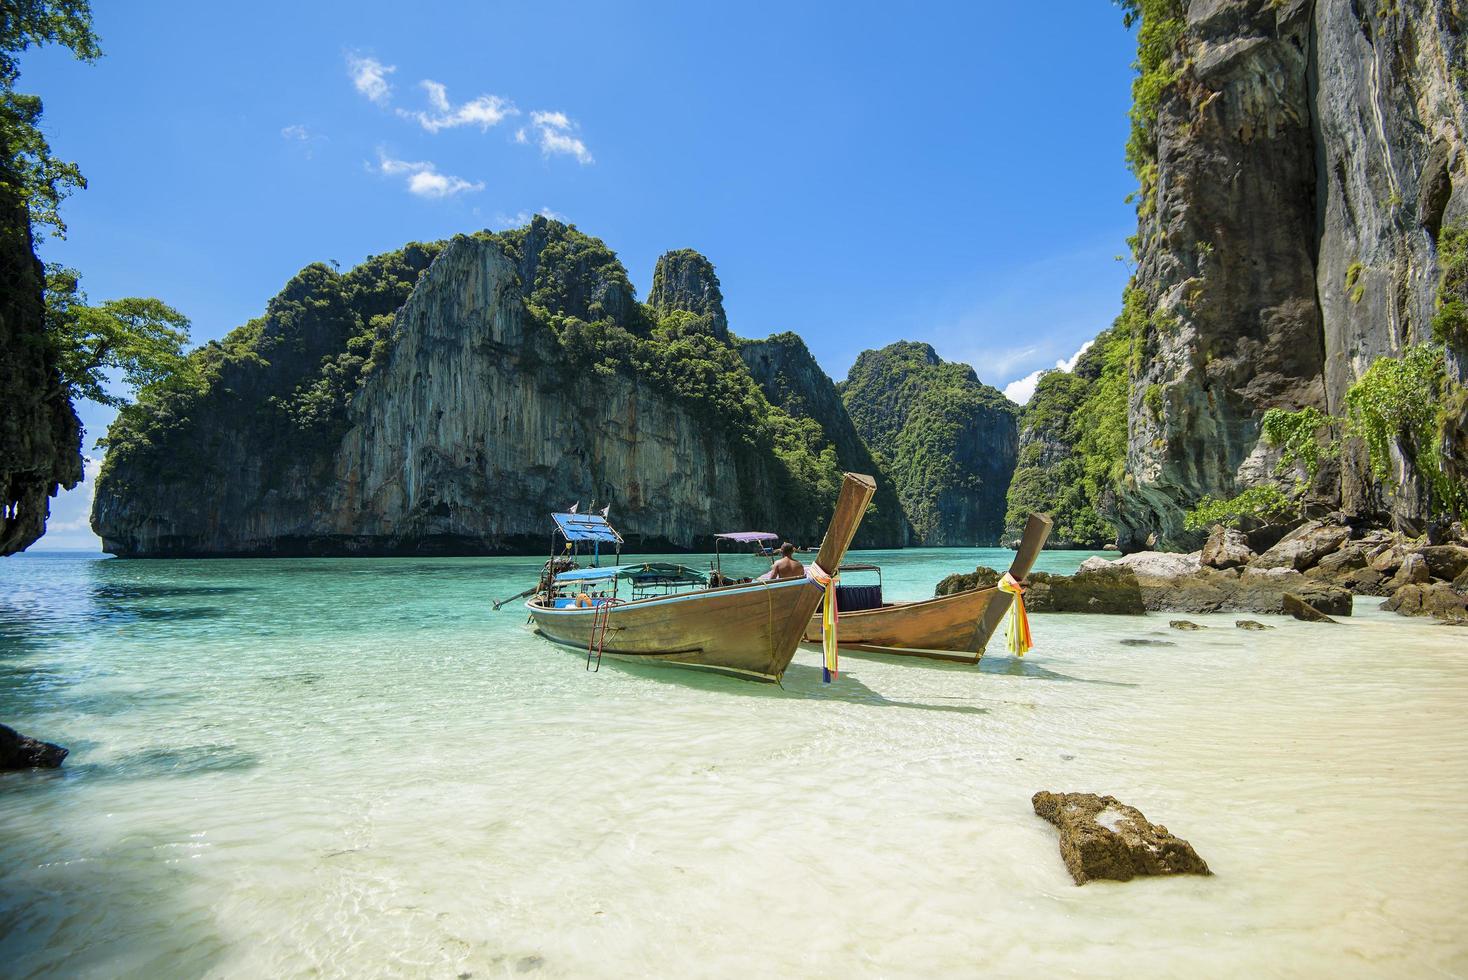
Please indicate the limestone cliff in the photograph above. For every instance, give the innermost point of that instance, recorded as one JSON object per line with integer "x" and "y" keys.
{"x": 792, "y": 380}
{"x": 685, "y": 280}
{"x": 444, "y": 399}
{"x": 40, "y": 436}
{"x": 1050, "y": 474}
{"x": 1297, "y": 169}
{"x": 948, "y": 441}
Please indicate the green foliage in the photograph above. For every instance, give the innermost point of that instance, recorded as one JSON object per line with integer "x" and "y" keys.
{"x": 292, "y": 372}
{"x": 1450, "y": 321}
{"x": 1299, "y": 434}
{"x": 1264, "y": 503}
{"x": 574, "y": 274}
{"x": 141, "y": 338}
{"x": 28, "y": 169}
{"x": 1355, "y": 288}
{"x": 1050, "y": 476}
{"x": 1161, "y": 25}
{"x": 917, "y": 410}
{"x": 1152, "y": 398}
{"x": 1395, "y": 404}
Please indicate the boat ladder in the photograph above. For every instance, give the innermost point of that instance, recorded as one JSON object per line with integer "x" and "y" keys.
{"x": 600, "y": 614}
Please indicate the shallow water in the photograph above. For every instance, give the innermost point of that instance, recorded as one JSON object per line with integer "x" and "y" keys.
{"x": 354, "y": 768}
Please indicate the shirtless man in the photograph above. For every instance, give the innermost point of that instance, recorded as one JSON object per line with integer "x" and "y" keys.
{"x": 785, "y": 566}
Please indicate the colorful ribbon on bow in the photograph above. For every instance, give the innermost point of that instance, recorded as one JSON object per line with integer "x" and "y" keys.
{"x": 1019, "y": 622}
{"x": 829, "y": 618}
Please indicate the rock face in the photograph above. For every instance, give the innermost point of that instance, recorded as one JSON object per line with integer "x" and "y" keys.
{"x": 1304, "y": 610}
{"x": 1101, "y": 837}
{"x": 1181, "y": 583}
{"x": 1436, "y": 599}
{"x": 1303, "y": 547}
{"x": 465, "y": 416}
{"x": 685, "y": 280}
{"x": 1307, "y": 157}
{"x": 1112, "y": 591}
{"x": 1050, "y": 472}
{"x": 18, "y": 751}
{"x": 948, "y": 440}
{"x": 40, "y": 436}
{"x": 792, "y": 380}
{"x": 1226, "y": 548}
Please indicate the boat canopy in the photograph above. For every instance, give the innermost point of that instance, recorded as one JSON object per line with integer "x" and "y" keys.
{"x": 642, "y": 571}
{"x": 586, "y": 527}
{"x": 748, "y": 536}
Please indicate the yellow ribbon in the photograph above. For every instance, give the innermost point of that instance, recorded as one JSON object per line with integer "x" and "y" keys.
{"x": 829, "y": 618}
{"x": 1019, "y": 621}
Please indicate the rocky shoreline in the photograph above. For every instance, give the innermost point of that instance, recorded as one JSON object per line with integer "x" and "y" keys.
{"x": 1311, "y": 571}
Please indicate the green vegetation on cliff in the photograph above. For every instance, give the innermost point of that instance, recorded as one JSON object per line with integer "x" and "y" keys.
{"x": 290, "y": 373}
{"x": 948, "y": 440}
{"x": 286, "y": 380}
{"x": 1050, "y": 476}
{"x": 1160, "y": 27}
{"x": 1073, "y": 442}
{"x": 1450, "y": 319}
{"x": 30, "y": 171}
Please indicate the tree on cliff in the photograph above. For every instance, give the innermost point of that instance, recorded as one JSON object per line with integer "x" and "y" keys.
{"x": 30, "y": 170}
{"x": 142, "y": 338}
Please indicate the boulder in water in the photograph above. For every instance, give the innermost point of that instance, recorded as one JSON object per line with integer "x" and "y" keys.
{"x": 1185, "y": 624}
{"x": 1302, "y": 610}
{"x": 1436, "y": 599}
{"x": 1250, "y": 624}
{"x": 18, "y": 751}
{"x": 1101, "y": 837}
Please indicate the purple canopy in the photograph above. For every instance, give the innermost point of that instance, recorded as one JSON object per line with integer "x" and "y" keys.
{"x": 747, "y": 536}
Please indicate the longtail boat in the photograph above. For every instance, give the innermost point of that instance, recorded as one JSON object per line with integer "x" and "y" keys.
{"x": 953, "y": 627}
{"x": 750, "y": 629}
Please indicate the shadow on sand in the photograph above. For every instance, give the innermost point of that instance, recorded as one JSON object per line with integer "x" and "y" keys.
{"x": 1003, "y": 664}
{"x": 800, "y": 681}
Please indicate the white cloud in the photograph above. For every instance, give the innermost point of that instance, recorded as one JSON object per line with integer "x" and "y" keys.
{"x": 424, "y": 179}
{"x": 296, "y": 132}
{"x": 370, "y": 77}
{"x": 554, "y": 133}
{"x": 70, "y": 523}
{"x": 484, "y": 112}
{"x": 1023, "y": 389}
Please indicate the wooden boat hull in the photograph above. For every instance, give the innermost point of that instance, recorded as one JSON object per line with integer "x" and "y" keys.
{"x": 948, "y": 626}
{"x": 952, "y": 627}
{"x": 751, "y": 630}
{"x": 748, "y": 630}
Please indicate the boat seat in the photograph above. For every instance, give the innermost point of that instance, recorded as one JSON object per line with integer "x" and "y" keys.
{"x": 854, "y": 598}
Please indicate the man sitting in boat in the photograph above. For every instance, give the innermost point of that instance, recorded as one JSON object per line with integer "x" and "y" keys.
{"x": 786, "y": 566}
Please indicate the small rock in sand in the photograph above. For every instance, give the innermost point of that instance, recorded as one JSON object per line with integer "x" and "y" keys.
{"x": 1101, "y": 837}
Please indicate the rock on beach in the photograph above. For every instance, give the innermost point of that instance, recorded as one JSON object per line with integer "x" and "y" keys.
{"x": 19, "y": 751}
{"x": 1101, "y": 837}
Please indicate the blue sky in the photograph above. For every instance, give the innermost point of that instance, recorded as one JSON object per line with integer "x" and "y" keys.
{"x": 858, "y": 173}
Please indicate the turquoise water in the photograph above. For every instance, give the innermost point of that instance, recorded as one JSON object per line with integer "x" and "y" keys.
{"x": 354, "y": 767}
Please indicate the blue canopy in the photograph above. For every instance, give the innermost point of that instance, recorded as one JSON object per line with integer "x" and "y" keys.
{"x": 586, "y": 527}
{"x": 641, "y": 571}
